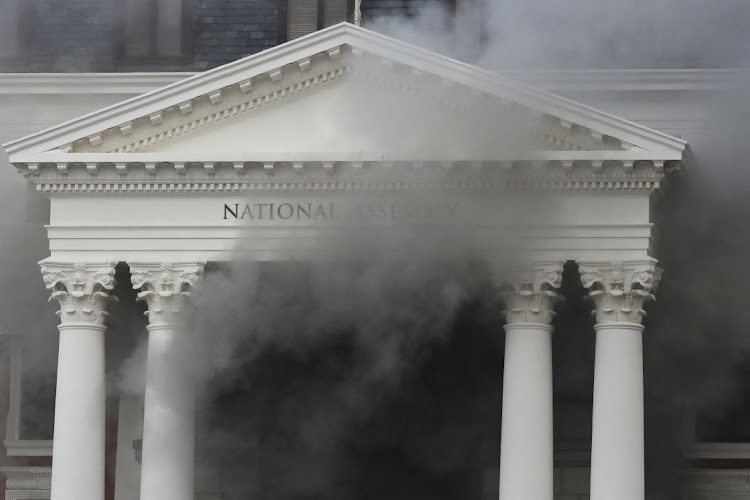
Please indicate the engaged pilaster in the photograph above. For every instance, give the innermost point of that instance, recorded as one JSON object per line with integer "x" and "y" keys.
{"x": 167, "y": 464}
{"x": 619, "y": 291}
{"x": 82, "y": 289}
{"x": 526, "y": 454}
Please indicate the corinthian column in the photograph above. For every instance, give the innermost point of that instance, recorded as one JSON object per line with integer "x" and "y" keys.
{"x": 526, "y": 441}
{"x": 619, "y": 291}
{"x": 78, "y": 448}
{"x": 167, "y": 463}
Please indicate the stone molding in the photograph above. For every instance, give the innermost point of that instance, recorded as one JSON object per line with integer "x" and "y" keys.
{"x": 27, "y": 494}
{"x": 620, "y": 289}
{"x": 159, "y": 173}
{"x": 165, "y": 287}
{"x": 28, "y": 447}
{"x": 87, "y": 83}
{"x": 716, "y": 484}
{"x": 82, "y": 289}
{"x": 530, "y": 295}
{"x": 28, "y": 479}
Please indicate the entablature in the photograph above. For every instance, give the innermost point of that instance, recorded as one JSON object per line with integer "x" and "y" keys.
{"x": 72, "y": 172}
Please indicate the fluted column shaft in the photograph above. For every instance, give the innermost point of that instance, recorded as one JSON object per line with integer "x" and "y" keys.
{"x": 619, "y": 291}
{"x": 167, "y": 465}
{"x": 526, "y": 452}
{"x": 79, "y": 433}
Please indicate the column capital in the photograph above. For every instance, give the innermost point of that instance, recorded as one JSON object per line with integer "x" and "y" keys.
{"x": 620, "y": 289}
{"x": 81, "y": 288}
{"x": 530, "y": 293}
{"x": 165, "y": 286}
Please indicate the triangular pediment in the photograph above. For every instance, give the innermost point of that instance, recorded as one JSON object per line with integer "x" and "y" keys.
{"x": 354, "y": 113}
{"x": 347, "y": 90}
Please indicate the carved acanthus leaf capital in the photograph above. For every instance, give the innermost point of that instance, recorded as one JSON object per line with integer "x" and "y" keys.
{"x": 530, "y": 295}
{"x": 165, "y": 288}
{"x": 620, "y": 289}
{"x": 82, "y": 289}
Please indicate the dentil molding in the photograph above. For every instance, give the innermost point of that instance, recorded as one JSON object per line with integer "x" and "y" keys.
{"x": 29, "y": 482}
{"x": 160, "y": 172}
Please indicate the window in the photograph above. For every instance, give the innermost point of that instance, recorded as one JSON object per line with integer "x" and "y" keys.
{"x": 300, "y": 17}
{"x": 158, "y": 30}
{"x": 37, "y": 405}
{"x": 31, "y": 404}
{"x": 719, "y": 427}
{"x": 12, "y": 20}
{"x": 732, "y": 426}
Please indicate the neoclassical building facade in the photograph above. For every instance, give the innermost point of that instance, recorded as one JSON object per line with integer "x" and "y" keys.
{"x": 269, "y": 158}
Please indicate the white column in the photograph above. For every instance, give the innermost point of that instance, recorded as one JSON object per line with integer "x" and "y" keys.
{"x": 78, "y": 446}
{"x": 619, "y": 291}
{"x": 167, "y": 465}
{"x": 526, "y": 454}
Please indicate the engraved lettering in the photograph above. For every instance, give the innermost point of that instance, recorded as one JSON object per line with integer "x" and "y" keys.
{"x": 232, "y": 212}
